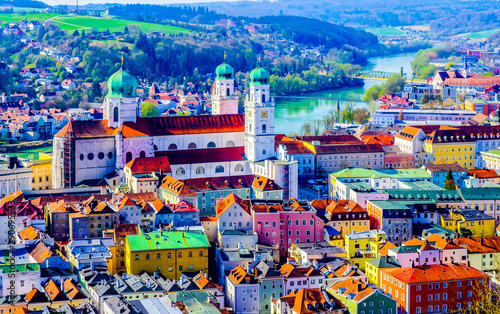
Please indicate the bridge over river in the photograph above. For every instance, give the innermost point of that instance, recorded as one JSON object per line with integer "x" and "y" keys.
{"x": 358, "y": 100}
{"x": 382, "y": 75}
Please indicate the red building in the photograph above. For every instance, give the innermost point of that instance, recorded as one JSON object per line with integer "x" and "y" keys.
{"x": 432, "y": 288}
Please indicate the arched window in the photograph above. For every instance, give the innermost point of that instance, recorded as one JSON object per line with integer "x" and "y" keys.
{"x": 122, "y": 264}
{"x": 230, "y": 144}
{"x": 263, "y": 98}
{"x": 190, "y": 254}
{"x": 219, "y": 169}
{"x": 172, "y": 147}
{"x": 180, "y": 254}
{"x": 211, "y": 145}
{"x": 158, "y": 256}
{"x": 142, "y": 154}
{"x": 238, "y": 168}
{"x": 180, "y": 171}
{"x": 228, "y": 92}
{"x": 192, "y": 146}
{"x": 115, "y": 114}
{"x": 128, "y": 157}
{"x": 201, "y": 253}
{"x": 169, "y": 255}
{"x": 264, "y": 128}
{"x": 155, "y": 147}
{"x": 200, "y": 170}
{"x": 147, "y": 256}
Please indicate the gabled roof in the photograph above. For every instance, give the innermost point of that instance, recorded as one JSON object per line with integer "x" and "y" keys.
{"x": 483, "y": 173}
{"x": 28, "y": 233}
{"x": 265, "y": 184}
{"x": 35, "y": 296}
{"x": 228, "y": 201}
{"x": 41, "y": 252}
{"x": 123, "y": 230}
{"x": 238, "y": 275}
{"x": 71, "y": 290}
{"x": 444, "y": 168}
{"x": 313, "y": 301}
{"x": 291, "y": 271}
{"x": 85, "y": 128}
{"x": 53, "y": 291}
{"x": 353, "y": 286}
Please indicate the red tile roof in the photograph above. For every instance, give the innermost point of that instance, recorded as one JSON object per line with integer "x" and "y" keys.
{"x": 180, "y": 125}
{"x": 349, "y": 149}
{"x": 483, "y": 173}
{"x": 149, "y": 164}
{"x": 265, "y": 184}
{"x": 479, "y": 245}
{"x": 123, "y": 230}
{"x": 331, "y": 139}
{"x": 229, "y": 200}
{"x": 295, "y": 148}
{"x": 82, "y": 129}
{"x": 434, "y": 273}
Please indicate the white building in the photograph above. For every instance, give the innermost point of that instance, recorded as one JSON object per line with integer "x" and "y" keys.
{"x": 14, "y": 177}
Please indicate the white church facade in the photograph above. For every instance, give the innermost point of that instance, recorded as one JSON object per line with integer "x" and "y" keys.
{"x": 240, "y": 144}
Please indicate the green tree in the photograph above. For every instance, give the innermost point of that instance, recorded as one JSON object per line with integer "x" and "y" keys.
{"x": 95, "y": 91}
{"x": 76, "y": 33}
{"x": 149, "y": 110}
{"x": 394, "y": 84}
{"x": 449, "y": 183}
{"x": 425, "y": 98}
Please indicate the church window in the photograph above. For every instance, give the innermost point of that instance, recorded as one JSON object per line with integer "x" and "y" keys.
{"x": 110, "y": 155}
{"x": 128, "y": 157}
{"x": 238, "y": 168}
{"x": 82, "y": 156}
{"x": 211, "y": 145}
{"x": 263, "y": 98}
{"x": 155, "y": 147}
{"x": 219, "y": 169}
{"x": 228, "y": 92}
{"x": 200, "y": 170}
{"x": 90, "y": 156}
{"x": 230, "y": 144}
{"x": 192, "y": 146}
{"x": 264, "y": 128}
{"x": 180, "y": 171}
{"x": 115, "y": 114}
{"x": 142, "y": 154}
{"x": 100, "y": 155}
{"x": 172, "y": 147}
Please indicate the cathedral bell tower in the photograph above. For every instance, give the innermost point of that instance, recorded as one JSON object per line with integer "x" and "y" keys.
{"x": 259, "y": 117}
{"x": 224, "y": 100}
{"x": 121, "y": 104}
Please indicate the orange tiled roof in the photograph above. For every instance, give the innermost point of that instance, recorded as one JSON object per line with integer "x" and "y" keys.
{"x": 307, "y": 301}
{"x": 227, "y": 201}
{"x": 53, "y": 291}
{"x": 384, "y": 249}
{"x": 71, "y": 290}
{"x": 354, "y": 286}
{"x": 149, "y": 164}
{"x": 82, "y": 129}
{"x": 41, "y": 252}
{"x": 479, "y": 245}
{"x": 434, "y": 273}
{"x": 16, "y": 196}
{"x": 483, "y": 173}
{"x": 122, "y": 230}
{"x": 413, "y": 242}
{"x": 28, "y": 233}
{"x": 264, "y": 184}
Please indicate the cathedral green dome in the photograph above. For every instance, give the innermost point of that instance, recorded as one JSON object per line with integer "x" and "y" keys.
{"x": 122, "y": 85}
{"x": 224, "y": 72}
{"x": 259, "y": 76}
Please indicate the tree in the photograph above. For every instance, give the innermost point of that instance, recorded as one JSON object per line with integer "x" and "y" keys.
{"x": 149, "y": 110}
{"x": 449, "y": 183}
{"x": 361, "y": 115}
{"x": 394, "y": 84}
{"x": 425, "y": 98}
{"x": 485, "y": 299}
{"x": 95, "y": 91}
{"x": 76, "y": 33}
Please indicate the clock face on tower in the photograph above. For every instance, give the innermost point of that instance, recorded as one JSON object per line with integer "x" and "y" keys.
{"x": 250, "y": 114}
{"x": 264, "y": 114}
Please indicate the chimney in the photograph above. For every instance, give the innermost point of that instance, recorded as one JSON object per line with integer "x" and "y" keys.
{"x": 387, "y": 258}
{"x": 412, "y": 264}
{"x": 62, "y": 285}
{"x": 481, "y": 241}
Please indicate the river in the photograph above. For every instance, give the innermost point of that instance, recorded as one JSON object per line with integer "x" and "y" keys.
{"x": 292, "y": 113}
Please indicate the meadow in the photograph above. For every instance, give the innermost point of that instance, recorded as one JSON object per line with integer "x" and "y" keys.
{"x": 71, "y": 23}
{"x": 482, "y": 34}
{"x": 385, "y": 31}
{"x": 7, "y": 18}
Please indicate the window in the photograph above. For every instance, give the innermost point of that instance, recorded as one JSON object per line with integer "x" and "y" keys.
{"x": 180, "y": 255}
{"x": 201, "y": 253}
{"x": 172, "y": 147}
{"x": 90, "y": 156}
{"x": 264, "y": 127}
{"x": 230, "y": 144}
{"x": 180, "y": 171}
{"x": 147, "y": 256}
{"x": 429, "y": 297}
{"x": 136, "y": 257}
{"x": 192, "y": 146}
{"x": 445, "y": 296}
{"x": 100, "y": 155}
{"x": 418, "y": 298}
{"x": 128, "y": 157}
{"x": 142, "y": 154}
{"x": 115, "y": 114}
{"x": 211, "y": 145}
{"x": 169, "y": 255}
{"x": 219, "y": 169}
{"x": 200, "y": 170}
{"x": 158, "y": 256}
{"x": 238, "y": 168}
{"x": 459, "y": 295}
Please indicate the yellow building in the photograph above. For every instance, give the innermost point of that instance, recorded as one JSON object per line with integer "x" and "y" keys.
{"x": 374, "y": 266}
{"x": 41, "y": 173}
{"x": 450, "y": 145}
{"x": 119, "y": 234}
{"x": 359, "y": 246}
{"x": 170, "y": 253}
{"x": 468, "y": 222}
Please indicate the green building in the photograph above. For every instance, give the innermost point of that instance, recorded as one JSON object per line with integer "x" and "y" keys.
{"x": 363, "y": 299}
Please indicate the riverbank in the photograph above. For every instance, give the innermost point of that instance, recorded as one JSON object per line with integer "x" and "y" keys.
{"x": 291, "y": 113}
{"x": 356, "y": 83}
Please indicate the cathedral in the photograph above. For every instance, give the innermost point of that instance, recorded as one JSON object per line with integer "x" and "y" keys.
{"x": 91, "y": 150}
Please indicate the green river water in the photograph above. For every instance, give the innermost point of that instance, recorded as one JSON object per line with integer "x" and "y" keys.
{"x": 292, "y": 113}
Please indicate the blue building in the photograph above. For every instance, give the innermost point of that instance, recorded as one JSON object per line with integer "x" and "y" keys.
{"x": 439, "y": 173}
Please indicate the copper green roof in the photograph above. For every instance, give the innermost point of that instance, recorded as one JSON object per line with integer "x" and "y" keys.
{"x": 167, "y": 240}
{"x": 424, "y": 195}
{"x": 382, "y": 173}
{"x": 493, "y": 152}
{"x": 259, "y": 76}
{"x": 224, "y": 72}
{"x": 122, "y": 85}
{"x": 385, "y": 262}
{"x": 6, "y": 269}
{"x": 480, "y": 193}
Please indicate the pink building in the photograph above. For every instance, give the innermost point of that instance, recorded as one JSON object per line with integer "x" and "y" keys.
{"x": 399, "y": 161}
{"x": 285, "y": 222}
